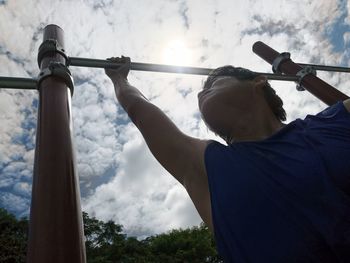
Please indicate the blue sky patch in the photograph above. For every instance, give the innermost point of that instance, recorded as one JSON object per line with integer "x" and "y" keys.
{"x": 336, "y": 32}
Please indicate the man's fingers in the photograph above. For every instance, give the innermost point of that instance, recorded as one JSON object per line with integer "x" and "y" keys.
{"x": 121, "y": 59}
{"x": 121, "y": 69}
{"x": 127, "y": 60}
{"x": 114, "y": 59}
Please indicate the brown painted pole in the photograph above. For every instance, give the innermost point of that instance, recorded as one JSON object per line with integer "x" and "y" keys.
{"x": 322, "y": 90}
{"x": 56, "y": 229}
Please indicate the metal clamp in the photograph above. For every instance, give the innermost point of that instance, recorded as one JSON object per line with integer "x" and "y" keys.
{"x": 302, "y": 73}
{"x": 50, "y": 46}
{"x": 59, "y": 70}
{"x": 284, "y": 56}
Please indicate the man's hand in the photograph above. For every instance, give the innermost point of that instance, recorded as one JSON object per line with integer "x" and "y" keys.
{"x": 120, "y": 73}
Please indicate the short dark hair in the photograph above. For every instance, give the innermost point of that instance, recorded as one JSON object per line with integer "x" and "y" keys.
{"x": 273, "y": 100}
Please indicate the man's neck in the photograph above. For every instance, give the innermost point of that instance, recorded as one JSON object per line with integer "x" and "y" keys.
{"x": 255, "y": 127}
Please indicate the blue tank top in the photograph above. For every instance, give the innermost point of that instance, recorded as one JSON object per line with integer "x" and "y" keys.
{"x": 285, "y": 198}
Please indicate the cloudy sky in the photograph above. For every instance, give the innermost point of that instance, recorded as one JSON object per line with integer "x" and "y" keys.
{"x": 119, "y": 179}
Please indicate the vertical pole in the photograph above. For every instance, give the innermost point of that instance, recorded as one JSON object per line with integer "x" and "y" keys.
{"x": 55, "y": 229}
{"x": 322, "y": 90}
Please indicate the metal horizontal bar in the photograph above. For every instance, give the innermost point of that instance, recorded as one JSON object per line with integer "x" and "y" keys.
{"x": 27, "y": 83}
{"x": 17, "y": 83}
{"x": 326, "y": 68}
{"x": 99, "y": 63}
{"x": 271, "y": 76}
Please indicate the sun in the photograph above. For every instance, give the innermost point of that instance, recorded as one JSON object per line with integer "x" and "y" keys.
{"x": 177, "y": 53}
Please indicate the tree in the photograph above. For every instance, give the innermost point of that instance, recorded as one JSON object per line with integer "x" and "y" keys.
{"x": 106, "y": 243}
{"x": 193, "y": 245}
{"x": 13, "y": 238}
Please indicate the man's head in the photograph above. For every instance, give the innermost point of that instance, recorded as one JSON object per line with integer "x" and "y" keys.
{"x": 236, "y": 91}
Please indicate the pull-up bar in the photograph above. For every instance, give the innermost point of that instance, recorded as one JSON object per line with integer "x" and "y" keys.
{"x": 99, "y": 63}
{"x": 27, "y": 83}
{"x": 18, "y": 83}
{"x": 326, "y": 68}
{"x": 282, "y": 63}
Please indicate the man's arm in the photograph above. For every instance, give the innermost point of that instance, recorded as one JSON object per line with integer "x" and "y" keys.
{"x": 181, "y": 155}
{"x": 178, "y": 153}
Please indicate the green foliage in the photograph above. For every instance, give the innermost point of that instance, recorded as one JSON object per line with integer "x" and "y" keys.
{"x": 105, "y": 243}
{"x": 193, "y": 245}
{"x": 13, "y": 238}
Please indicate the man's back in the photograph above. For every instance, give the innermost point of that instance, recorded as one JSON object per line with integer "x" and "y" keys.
{"x": 286, "y": 198}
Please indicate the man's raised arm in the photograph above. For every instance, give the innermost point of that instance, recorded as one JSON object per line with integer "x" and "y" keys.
{"x": 178, "y": 153}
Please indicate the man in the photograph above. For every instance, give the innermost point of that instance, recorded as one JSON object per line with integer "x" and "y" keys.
{"x": 276, "y": 192}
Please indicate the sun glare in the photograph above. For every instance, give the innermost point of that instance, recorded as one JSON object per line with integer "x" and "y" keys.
{"x": 176, "y": 53}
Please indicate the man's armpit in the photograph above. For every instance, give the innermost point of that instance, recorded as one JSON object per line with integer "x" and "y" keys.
{"x": 347, "y": 104}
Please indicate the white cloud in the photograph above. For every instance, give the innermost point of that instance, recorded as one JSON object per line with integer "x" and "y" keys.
{"x": 22, "y": 188}
{"x": 347, "y": 19}
{"x": 142, "y": 197}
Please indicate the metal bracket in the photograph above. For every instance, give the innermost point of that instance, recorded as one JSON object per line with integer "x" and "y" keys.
{"x": 59, "y": 70}
{"x": 50, "y": 46}
{"x": 284, "y": 56}
{"x": 302, "y": 73}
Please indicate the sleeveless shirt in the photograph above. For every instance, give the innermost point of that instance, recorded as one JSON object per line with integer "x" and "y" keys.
{"x": 285, "y": 198}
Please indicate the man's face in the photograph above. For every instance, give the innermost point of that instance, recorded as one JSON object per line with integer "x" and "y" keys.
{"x": 224, "y": 101}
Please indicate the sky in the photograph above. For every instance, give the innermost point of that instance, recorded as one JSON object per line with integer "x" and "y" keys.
{"x": 119, "y": 178}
